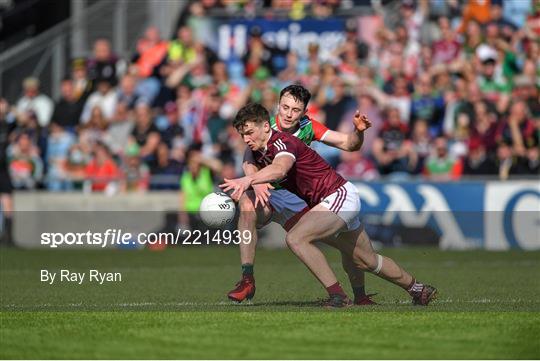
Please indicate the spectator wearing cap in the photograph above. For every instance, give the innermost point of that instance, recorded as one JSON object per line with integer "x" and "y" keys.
{"x": 104, "y": 64}
{"x": 67, "y": 110}
{"x": 105, "y": 97}
{"x": 493, "y": 84}
{"x": 32, "y": 100}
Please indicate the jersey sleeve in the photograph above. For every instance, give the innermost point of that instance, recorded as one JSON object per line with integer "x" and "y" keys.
{"x": 249, "y": 157}
{"x": 319, "y": 130}
{"x": 286, "y": 147}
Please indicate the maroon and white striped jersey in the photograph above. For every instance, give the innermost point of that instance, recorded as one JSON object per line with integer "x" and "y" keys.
{"x": 310, "y": 178}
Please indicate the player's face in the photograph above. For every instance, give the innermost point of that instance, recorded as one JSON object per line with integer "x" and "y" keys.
{"x": 290, "y": 112}
{"x": 255, "y": 135}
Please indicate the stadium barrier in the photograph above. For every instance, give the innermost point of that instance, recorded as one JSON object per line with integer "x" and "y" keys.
{"x": 453, "y": 215}
{"x": 457, "y": 215}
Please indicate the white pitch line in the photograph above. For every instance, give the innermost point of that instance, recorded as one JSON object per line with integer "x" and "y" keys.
{"x": 234, "y": 304}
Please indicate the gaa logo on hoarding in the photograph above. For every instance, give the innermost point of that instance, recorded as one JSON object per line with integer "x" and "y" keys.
{"x": 522, "y": 219}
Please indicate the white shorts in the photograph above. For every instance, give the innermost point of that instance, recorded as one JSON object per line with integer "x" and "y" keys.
{"x": 285, "y": 205}
{"x": 345, "y": 202}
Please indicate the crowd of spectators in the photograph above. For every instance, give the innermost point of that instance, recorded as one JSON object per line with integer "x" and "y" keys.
{"x": 452, "y": 90}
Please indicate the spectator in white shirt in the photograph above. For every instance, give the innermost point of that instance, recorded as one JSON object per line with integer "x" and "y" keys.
{"x": 105, "y": 97}
{"x": 32, "y": 100}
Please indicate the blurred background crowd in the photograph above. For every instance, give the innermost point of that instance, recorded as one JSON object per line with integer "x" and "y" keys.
{"x": 451, "y": 87}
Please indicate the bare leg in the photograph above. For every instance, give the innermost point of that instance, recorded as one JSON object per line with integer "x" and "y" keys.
{"x": 358, "y": 245}
{"x": 356, "y": 276}
{"x": 247, "y": 221}
{"x": 318, "y": 223}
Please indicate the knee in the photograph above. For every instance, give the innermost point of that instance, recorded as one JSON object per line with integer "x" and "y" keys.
{"x": 295, "y": 241}
{"x": 365, "y": 262}
{"x": 246, "y": 204}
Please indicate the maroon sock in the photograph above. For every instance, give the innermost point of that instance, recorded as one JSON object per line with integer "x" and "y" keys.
{"x": 335, "y": 289}
{"x": 414, "y": 287}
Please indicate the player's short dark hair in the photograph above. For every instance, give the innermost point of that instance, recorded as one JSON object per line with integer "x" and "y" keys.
{"x": 298, "y": 92}
{"x": 252, "y": 112}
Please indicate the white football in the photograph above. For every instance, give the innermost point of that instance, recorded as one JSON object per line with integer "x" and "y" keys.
{"x": 217, "y": 209}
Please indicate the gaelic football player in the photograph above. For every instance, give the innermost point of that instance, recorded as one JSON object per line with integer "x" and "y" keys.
{"x": 334, "y": 205}
{"x": 266, "y": 203}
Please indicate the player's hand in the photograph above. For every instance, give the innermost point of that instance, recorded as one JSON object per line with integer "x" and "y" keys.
{"x": 238, "y": 186}
{"x": 361, "y": 122}
{"x": 262, "y": 193}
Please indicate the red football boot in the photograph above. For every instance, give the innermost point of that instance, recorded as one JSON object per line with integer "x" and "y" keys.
{"x": 337, "y": 301}
{"x": 245, "y": 290}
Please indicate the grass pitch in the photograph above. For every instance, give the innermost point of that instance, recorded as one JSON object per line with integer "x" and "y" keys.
{"x": 172, "y": 304}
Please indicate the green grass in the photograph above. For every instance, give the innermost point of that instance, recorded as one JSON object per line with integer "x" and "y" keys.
{"x": 172, "y": 305}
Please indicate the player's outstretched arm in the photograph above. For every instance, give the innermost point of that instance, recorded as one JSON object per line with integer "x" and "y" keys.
{"x": 349, "y": 141}
{"x": 274, "y": 172}
{"x": 262, "y": 191}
